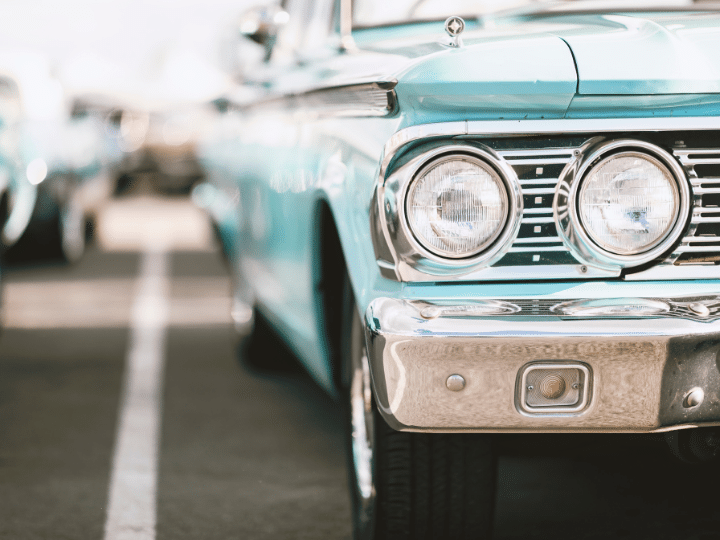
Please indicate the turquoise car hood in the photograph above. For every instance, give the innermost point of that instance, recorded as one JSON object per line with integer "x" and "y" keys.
{"x": 545, "y": 65}
{"x": 648, "y": 53}
{"x": 504, "y": 76}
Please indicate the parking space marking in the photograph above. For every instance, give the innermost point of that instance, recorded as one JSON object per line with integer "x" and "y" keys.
{"x": 131, "y": 509}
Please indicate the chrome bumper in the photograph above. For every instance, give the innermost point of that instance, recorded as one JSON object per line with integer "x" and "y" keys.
{"x": 643, "y": 365}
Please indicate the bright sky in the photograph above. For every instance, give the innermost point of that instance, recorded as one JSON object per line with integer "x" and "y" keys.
{"x": 147, "y": 49}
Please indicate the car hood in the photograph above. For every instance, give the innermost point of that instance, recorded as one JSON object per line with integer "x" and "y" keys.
{"x": 640, "y": 53}
{"x": 501, "y": 76}
{"x": 537, "y": 65}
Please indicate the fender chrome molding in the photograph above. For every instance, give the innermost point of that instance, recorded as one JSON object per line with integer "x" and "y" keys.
{"x": 357, "y": 99}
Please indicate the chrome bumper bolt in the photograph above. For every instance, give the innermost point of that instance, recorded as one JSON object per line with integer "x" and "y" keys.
{"x": 694, "y": 398}
{"x": 455, "y": 383}
{"x": 699, "y": 309}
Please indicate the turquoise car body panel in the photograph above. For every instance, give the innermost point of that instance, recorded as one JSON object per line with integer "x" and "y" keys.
{"x": 274, "y": 164}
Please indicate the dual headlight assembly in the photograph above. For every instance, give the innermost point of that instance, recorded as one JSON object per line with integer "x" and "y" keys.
{"x": 617, "y": 204}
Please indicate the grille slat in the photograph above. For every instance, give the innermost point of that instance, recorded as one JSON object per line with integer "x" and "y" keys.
{"x": 546, "y": 239}
{"x": 536, "y": 249}
{"x": 542, "y": 161}
{"x": 538, "y": 182}
{"x": 535, "y": 211}
{"x": 698, "y": 249}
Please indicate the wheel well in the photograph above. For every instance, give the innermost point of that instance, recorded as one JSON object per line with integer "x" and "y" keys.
{"x": 4, "y": 208}
{"x": 331, "y": 283}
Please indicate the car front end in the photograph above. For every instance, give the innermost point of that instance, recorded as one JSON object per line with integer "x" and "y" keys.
{"x": 590, "y": 302}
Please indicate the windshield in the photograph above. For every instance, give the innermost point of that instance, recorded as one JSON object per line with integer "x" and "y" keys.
{"x": 380, "y": 12}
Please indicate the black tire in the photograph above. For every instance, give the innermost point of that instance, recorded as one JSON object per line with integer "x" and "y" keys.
{"x": 424, "y": 485}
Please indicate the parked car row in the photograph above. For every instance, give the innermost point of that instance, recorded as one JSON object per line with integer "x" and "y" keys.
{"x": 64, "y": 153}
{"x": 474, "y": 224}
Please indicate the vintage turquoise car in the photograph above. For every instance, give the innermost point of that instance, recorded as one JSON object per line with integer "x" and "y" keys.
{"x": 467, "y": 225}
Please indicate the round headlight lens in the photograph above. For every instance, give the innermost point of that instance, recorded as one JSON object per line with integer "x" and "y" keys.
{"x": 457, "y": 206}
{"x": 628, "y": 203}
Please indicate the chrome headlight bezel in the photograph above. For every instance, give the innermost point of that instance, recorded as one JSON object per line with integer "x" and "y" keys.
{"x": 412, "y": 255}
{"x": 420, "y": 175}
{"x": 567, "y": 212}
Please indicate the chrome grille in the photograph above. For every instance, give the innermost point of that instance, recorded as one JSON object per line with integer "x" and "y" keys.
{"x": 701, "y": 244}
{"x": 538, "y": 242}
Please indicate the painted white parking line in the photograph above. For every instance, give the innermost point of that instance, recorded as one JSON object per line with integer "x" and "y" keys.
{"x": 131, "y": 510}
{"x": 107, "y": 303}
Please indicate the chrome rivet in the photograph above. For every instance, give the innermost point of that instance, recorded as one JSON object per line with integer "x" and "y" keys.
{"x": 700, "y": 309}
{"x": 455, "y": 383}
{"x": 694, "y": 398}
{"x": 431, "y": 312}
{"x": 531, "y": 387}
{"x": 576, "y": 152}
{"x": 583, "y": 269}
{"x": 576, "y": 386}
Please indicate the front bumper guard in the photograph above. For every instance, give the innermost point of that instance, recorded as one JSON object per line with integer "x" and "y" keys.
{"x": 646, "y": 357}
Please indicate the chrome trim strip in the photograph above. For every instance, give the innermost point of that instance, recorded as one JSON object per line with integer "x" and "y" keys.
{"x": 699, "y": 249}
{"x": 536, "y": 152}
{"x": 536, "y": 249}
{"x": 539, "y": 181}
{"x": 366, "y": 98}
{"x": 538, "y": 161}
{"x": 683, "y": 154}
{"x": 540, "y": 239}
{"x": 537, "y": 191}
{"x": 697, "y": 219}
{"x": 694, "y": 239}
{"x": 706, "y": 180}
{"x": 539, "y": 220}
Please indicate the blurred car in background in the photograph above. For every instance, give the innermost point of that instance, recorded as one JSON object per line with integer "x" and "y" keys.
{"x": 160, "y": 126}
{"x": 17, "y": 193}
{"x": 67, "y": 156}
{"x": 170, "y": 146}
{"x": 480, "y": 224}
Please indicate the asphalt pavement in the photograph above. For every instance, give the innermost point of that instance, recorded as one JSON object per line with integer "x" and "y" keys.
{"x": 240, "y": 451}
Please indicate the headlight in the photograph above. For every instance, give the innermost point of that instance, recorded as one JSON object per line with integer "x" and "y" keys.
{"x": 457, "y": 206}
{"x": 628, "y": 203}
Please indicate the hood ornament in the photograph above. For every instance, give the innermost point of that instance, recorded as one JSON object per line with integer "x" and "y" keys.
{"x": 454, "y": 26}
